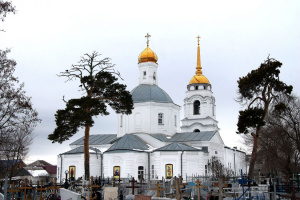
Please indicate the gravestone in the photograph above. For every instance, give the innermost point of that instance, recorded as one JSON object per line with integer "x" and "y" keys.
{"x": 67, "y": 194}
{"x": 110, "y": 193}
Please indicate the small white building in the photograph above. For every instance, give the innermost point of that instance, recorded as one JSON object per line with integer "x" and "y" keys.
{"x": 150, "y": 143}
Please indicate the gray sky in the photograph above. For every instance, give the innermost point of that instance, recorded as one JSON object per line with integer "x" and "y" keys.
{"x": 46, "y": 37}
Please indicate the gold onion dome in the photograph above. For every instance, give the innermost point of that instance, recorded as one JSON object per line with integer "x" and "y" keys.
{"x": 148, "y": 56}
{"x": 199, "y": 77}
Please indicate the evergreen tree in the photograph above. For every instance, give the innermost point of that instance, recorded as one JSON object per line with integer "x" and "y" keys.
{"x": 98, "y": 83}
{"x": 256, "y": 92}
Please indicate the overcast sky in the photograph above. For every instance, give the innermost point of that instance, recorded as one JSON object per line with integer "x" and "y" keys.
{"x": 46, "y": 37}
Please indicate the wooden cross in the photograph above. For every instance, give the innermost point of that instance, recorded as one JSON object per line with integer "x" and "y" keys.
{"x": 158, "y": 189}
{"x": 25, "y": 188}
{"x": 198, "y": 39}
{"x": 91, "y": 190}
{"x": 41, "y": 189}
{"x": 55, "y": 187}
{"x": 147, "y": 36}
{"x": 13, "y": 190}
{"x": 132, "y": 185}
{"x": 182, "y": 185}
{"x": 198, "y": 186}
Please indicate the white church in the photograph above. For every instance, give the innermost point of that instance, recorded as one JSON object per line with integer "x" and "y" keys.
{"x": 150, "y": 143}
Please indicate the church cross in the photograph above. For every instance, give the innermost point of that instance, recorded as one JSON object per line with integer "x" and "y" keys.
{"x": 132, "y": 181}
{"x": 25, "y": 188}
{"x": 198, "y": 39}
{"x": 198, "y": 186}
{"x": 147, "y": 36}
{"x": 41, "y": 189}
{"x": 158, "y": 189}
{"x": 55, "y": 187}
{"x": 13, "y": 190}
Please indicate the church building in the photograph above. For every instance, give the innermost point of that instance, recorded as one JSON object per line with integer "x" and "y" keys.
{"x": 151, "y": 143}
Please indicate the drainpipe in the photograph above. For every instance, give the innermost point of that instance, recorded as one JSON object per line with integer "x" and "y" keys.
{"x": 149, "y": 167}
{"x": 60, "y": 168}
{"x": 181, "y": 163}
{"x": 101, "y": 173}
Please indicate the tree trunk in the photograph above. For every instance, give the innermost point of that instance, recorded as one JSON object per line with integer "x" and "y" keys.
{"x": 86, "y": 153}
{"x": 254, "y": 153}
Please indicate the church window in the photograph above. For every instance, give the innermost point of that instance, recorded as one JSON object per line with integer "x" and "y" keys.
{"x": 216, "y": 152}
{"x": 160, "y": 118}
{"x": 140, "y": 172}
{"x": 205, "y": 169}
{"x": 144, "y": 74}
{"x": 196, "y": 130}
{"x": 196, "y": 107}
{"x": 205, "y": 87}
{"x": 175, "y": 120}
{"x": 196, "y": 88}
{"x": 154, "y": 76}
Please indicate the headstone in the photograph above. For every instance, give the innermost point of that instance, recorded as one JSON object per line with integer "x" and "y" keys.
{"x": 110, "y": 193}
{"x": 67, "y": 194}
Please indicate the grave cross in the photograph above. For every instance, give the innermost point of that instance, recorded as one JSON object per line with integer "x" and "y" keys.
{"x": 198, "y": 186}
{"x": 132, "y": 181}
{"x": 55, "y": 187}
{"x": 158, "y": 189}
{"x": 13, "y": 190}
{"x": 25, "y": 188}
{"x": 41, "y": 189}
{"x": 91, "y": 190}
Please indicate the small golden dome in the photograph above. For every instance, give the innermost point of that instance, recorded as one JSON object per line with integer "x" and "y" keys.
{"x": 148, "y": 56}
{"x": 199, "y": 79}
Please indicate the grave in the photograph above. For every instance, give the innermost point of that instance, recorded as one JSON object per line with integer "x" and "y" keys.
{"x": 110, "y": 193}
{"x": 67, "y": 194}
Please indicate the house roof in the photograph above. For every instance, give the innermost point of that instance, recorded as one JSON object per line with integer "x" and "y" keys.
{"x": 97, "y": 139}
{"x": 80, "y": 150}
{"x": 193, "y": 136}
{"x": 23, "y": 172}
{"x": 38, "y": 163}
{"x": 150, "y": 93}
{"x": 177, "y": 147}
{"x": 9, "y": 163}
{"x": 129, "y": 142}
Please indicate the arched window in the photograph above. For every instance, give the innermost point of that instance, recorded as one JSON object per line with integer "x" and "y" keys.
{"x": 160, "y": 118}
{"x": 196, "y": 107}
{"x": 196, "y": 130}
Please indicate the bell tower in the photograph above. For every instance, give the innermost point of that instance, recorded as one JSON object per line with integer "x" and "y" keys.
{"x": 199, "y": 103}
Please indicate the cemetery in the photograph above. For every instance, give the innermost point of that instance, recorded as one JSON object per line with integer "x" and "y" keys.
{"x": 189, "y": 187}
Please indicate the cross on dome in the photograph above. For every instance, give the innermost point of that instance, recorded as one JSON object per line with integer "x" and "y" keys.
{"x": 147, "y": 36}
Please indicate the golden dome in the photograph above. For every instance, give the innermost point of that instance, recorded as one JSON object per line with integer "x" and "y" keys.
{"x": 199, "y": 77}
{"x": 148, "y": 56}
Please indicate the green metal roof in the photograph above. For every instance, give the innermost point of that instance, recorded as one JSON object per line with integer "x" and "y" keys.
{"x": 193, "y": 136}
{"x": 80, "y": 150}
{"x": 160, "y": 137}
{"x": 97, "y": 139}
{"x": 150, "y": 93}
{"x": 177, "y": 147}
{"x": 129, "y": 142}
